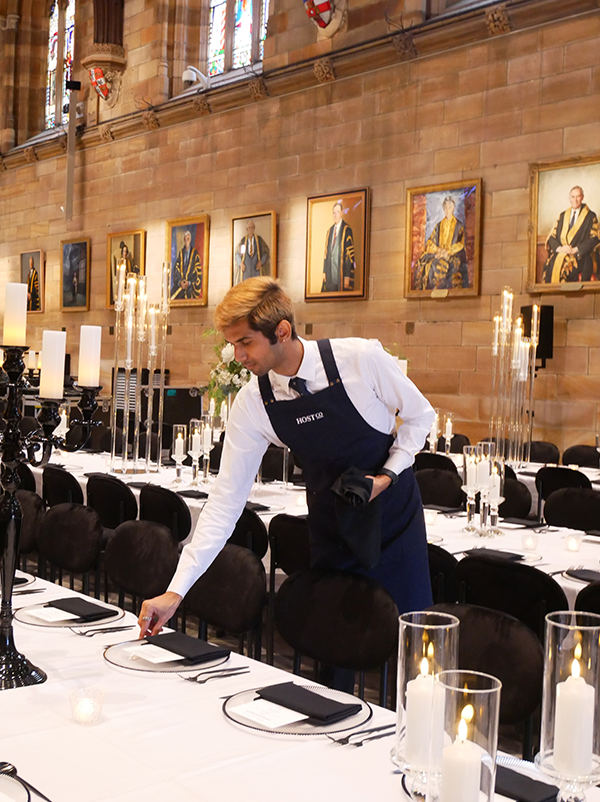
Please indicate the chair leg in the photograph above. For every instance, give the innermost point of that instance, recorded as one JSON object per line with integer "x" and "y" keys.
{"x": 383, "y": 685}
{"x": 361, "y": 685}
{"x": 297, "y": 661}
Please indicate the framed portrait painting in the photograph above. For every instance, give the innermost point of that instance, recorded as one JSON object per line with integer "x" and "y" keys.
{"x": 33, "y": 273}
{"x": 254, "y": 246}
{"x": 187, "y": 254}
{"x": 337, "y": 246}
{"x": 443, "y": 240}
{"x": 564, "y": 247}
{"x": 129, "y": 246}
{"x": 75, "y": 274}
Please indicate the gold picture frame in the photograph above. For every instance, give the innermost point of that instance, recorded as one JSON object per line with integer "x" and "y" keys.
{"x": 564, "y": 249}
{"x": 188, "y": 260}
{"x": 75, "y": 274}
{"x": 259, "y": 257}
{"x": 33, "y": 273}
{"x": 443, "y": 258}
{"x": 128, "y": 245}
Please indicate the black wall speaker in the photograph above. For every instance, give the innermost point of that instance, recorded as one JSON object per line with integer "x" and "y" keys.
{"x": 546, "y": 342}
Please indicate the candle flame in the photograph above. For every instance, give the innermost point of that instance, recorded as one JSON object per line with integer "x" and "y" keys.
{"x": 430, "y": 651}
{"x": 468, "y": 712}
{"x": 577, "y": 652}
{"x": 424, "y": 667}
{"x": 462, "y": 730}
{"x": 576, "y": 669}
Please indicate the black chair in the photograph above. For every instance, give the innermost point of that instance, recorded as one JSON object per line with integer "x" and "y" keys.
{"x": 251, "y": 533}
{"x": 231, "y": 595}
{"x": 289, "y": 544}
{"x": 495, "y": 643}
{"x": 517, "y": 500}
{"x": 547, "y": 480}
{"x": 26, "y": 477}
{"x": 442, "y": 570}
{"x": 114, "y": 502}
{"x": 140, "y": 560}
{"x": 60, "y": 487}
{"x": 543, "y": 451}
{"x": 163, "y": 506}
{"x": 338, "y": 618}
{"x": 32, "y": 513}
{"x": 586, "y": 456}
{"x": 513, "y": 588}
{"x": 456, "y": 444}
{"x": 573, "y": 507}
{"x": 425, "y": 459}
{"x": 70, "y": 538}
{"x": 440, "y": 487}
{"x": 509, "y": 472}
{"x": 588, "y": 598}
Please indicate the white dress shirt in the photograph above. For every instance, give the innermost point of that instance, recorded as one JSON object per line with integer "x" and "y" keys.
{"x": 377, "y": 388}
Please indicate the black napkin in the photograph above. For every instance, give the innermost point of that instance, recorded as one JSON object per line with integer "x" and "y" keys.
{"x": 255, "y": 507}
{"x": 517, "y": 786}
{"x": 194, "y": 650}
{"x": 526, "y": 523}
{"x": 493, "y": 554}
{"x": 319, "y": 708}
{"x": 20, "y": 580}
{"x": 359, "y": 520}
{"x": 94, "y": 473}
{"x": 585, "y": 574}
{"x": 527, "y": 473}
{"x": 138, "y": 485}
{"x": 192, "y": 493}
{"x": 593, "y": 532}
{"x": 86, "y": 610}
{"x": 440, "y": 508}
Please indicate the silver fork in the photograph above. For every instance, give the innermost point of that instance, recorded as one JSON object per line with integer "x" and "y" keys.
{"x": 371, "y": 738}
{"x": 200, "y": 679}
{"x": 89, "y": 633}
{"x": 346, "y": 739}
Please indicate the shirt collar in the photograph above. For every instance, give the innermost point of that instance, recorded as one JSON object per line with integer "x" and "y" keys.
{"x": 307, "y": 369}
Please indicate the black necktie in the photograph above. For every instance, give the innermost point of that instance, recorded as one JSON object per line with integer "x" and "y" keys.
{"x": 573, "y": 218}
{"x": 299, "y": 385}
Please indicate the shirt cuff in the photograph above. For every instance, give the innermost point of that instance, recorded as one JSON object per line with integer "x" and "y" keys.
{"x": 386, "y": 472}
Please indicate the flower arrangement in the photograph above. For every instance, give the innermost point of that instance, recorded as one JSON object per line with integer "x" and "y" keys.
{"x": 228, "y": 376}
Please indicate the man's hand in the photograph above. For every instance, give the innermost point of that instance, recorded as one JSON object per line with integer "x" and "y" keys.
{"x": 380, "y": 483}
{"x": 156, "y": 612}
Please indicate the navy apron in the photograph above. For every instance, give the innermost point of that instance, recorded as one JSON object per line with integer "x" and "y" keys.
{"x": 327, "y": 435}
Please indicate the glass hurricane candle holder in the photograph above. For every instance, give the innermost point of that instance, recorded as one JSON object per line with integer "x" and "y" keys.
{"x": 570, "y": 737}
{"x": 428, "y": 644}
{"x": 207, "y": 445}
{"x": 462, "y": 755}
{"x": 448, "y": 432}
{"x": 471, "y": 457}
{"x": 179, "y": 448}
{"x": 195, "y": 447}
{"x": 487, "y": 451}
{"x": 434, "y": 432}
{"x": 495, "y": 495}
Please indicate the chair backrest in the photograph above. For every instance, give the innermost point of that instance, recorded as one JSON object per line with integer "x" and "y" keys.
{"x": 547, "y": 480}
{"x": 336, "y": 617}
{"x": 163, "y": 506}
{"x": 141, "y": 558}
{"x": 70, "y": 537}
{"x": 573, "y": 507}
{"x": 456, "y": 444}
{"x": 517, "y": 500}
{"x": 440, "y": 487}
{"x": 272, "y": 464}
{"x": 250, "y": 533}
{"x": 232, "y": 593}
{"x": 26, "y": 477}
{"x": 495, "y": 643}
{"x": 509, "y": 472}
{"x": 442, "y": 570}
{"x": 543, "y": 451}
{"x": 60, "y": 487}
{"x": 32, "y": 513}
{"x": 425, "y": 459}
{"x": 587, "y": 456}
{"x": 513, "y": 588}
{"x": 112, "y": 499}
{"x": 588, "y": 598}
{"x": 290, "y": 543}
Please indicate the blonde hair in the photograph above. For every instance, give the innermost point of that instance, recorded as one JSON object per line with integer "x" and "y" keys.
{"x": 262, "y": 302}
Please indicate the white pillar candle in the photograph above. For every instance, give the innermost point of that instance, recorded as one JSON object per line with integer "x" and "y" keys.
{"x": 39, "y": 361}
{"x": 31, "y": 361}
{"x": 574, "y": 724}
{"x": 494, "y": 494}
{"x": 15, "y": 315}
{"x": 471, "y": 473}
{"x": 420, "y": 725}
{"x": 90, "y": 346}
{"x": 433, "y": 432}
{"x": 178, "y": 451}
{"x": 211, "y": 407}
{"x": 207, "y": 438}
{"x": 448, "y": 430}
{"x": 196, "y": 443}
{"x": 52, "y": 376}
{"x": 224, "y": 413}
{"x": 461, "y": 769}
{"x": 484, "y": 478}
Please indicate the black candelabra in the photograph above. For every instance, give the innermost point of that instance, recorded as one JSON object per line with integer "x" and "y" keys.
{"x": 35, "y": 447}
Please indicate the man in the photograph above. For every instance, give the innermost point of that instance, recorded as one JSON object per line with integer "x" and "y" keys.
{"x": 443, "y": 264}
{"x": 33, "y": 288}
{"x": 334, "y": 404}
{"x": 339, "y": 267}
{"x": 186, "y": 279}
{"x": 571, "y": 243}
{"x": 251, "y": 255}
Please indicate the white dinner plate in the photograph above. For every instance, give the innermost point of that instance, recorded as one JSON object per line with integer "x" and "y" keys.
{"x": 11, "y": 789}
{"x": 435, "y": 539}
{"x": 29, "y": 580}
{"x": 24, "y": 615}
{"x": 117, "y": 655}
{"x": 300, "y": 727}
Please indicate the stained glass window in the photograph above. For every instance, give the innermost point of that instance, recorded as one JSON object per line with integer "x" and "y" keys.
{"x": 60, "y": 39}
{"x": 242, "y": 34}
{"x": 216, "y": 47}
{"x": 237, "y": 33}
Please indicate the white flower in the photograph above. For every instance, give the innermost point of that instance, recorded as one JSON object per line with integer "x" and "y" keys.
{"x": 244, "y": 373}
{"x": 228, "y": 353}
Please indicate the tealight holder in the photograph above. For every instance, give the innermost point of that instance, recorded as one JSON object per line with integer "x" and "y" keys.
{"x": 471, "y": 457}
{"x": 86, "y": 705}
{"x": 462, "y": 756}
{"x": 573, "y": 541}
{"x": 179, "y": 448}
{"x": 195, "y": 447}
{"x": 570, "y": 736}
{"x": 428, "y": 643}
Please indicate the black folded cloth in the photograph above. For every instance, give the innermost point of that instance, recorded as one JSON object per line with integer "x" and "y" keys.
{"x": 527, "y": 473}
{"x": 493, "y": 554}
{"x": 192, "y": 493}
{"x": 194, "y": 650}
{"x": 20, "y": 580}
{"x": 441, "y": 508}
{"x": 593, "y": 532}
{"x": 94, "y": 473}
{"x": 359, "y": 520}
{"x": 86, "y": 610}
{"x": 526, "y": 523}
{"x": 255, "y": 507}
{"x": 137, "y": 485}
{"x": 584, "y": 574}
{"x": 517, "y": 786}
{"x": 302, "y": 700}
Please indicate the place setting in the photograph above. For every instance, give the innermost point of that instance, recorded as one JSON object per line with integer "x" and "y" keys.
{"x": 68, "y": 612}
{"x": 166, "y": 653}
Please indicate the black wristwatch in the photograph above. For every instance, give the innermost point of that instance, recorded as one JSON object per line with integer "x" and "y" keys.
{"x": 393, "y": 476}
